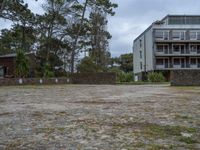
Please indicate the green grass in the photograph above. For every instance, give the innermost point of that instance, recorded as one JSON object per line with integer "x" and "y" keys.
{"x": 187, "y": 140}
{"x": 141, "y": 83}
{"x": 164, "y": 131}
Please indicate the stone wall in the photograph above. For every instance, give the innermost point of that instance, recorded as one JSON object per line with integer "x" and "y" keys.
{"x": 82, "y": 78}
{"x": 94, "y": 78}
{"x": 185, "y": 78}
{"x": 33, "y": 81}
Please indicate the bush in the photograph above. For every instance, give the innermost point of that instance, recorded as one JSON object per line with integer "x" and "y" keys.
{"x": 156, "y": 77}
{"x": 87, "y": 65}
{"x": 22, "y": 64}
{"x": 48, "y": 73}
{"x": 126, "y": 77}
{"x": 122, "y": 76}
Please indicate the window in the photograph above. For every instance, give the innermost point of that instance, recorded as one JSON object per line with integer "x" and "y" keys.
{"x": 198, "y": 35}
{"x": 162, "y": 48}
{"x": 159, "y": 48}
{"x": 1, "y": 71}
{"x": 159, "y": 34}
{"x": 141, "y": 65}
{"x": 166, "y": 47}
{"x": 182, "y": 47}
{"x": 193, "y": 48}
{"x": 140, "y": 43}
{"x": 140, "y": 54}
{"x": 166, "y": 35}
{"x": 176, "y": 20}
{"x": 159, "y": 62}
{"x": 179, "y": 48}
{"x": 193, "y": 35}
{"x": 198, "y": 49}
{"x": 178, "y": 35}
{"x": 162, "y": 35}
{"x": 182, "y": 35}
{"x": 177, "y": 61}
{"x": 176, "y": 48}
{"x": 193, "y": 61}
{"x": 193, "y": 20}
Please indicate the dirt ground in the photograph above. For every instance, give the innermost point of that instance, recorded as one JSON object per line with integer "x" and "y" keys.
{"x": 121, "y": 117}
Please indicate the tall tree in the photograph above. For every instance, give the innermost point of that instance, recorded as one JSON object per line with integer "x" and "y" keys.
{"x": 99, "y": 37}
{"x": 11, "y": 40}
{"x": 51, "y": 29}
{"x": 17, "y": 11}
{"x": 105, "y": 5}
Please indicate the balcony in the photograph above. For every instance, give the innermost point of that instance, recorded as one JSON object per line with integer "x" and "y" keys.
{"x": 180, "y": 36}
{"x": 177, "y": 50}
{"x": 193, "y": 66}
{"x": 164, "y": 63}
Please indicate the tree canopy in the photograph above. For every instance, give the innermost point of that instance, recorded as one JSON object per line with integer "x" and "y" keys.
{"x": 60, "y": 35}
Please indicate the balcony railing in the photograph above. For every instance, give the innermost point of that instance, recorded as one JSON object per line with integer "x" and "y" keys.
{"x": 186, "y": 52}
{"x": 164, "y": 67}
{"x": 177, "y": 36}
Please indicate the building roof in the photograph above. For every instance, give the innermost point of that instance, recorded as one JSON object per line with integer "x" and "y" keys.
{"x": 8, "y": 55}
{"x": 14, "y": 55}
{"x": 167, "y": 16}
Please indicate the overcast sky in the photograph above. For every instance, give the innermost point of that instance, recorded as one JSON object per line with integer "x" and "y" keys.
{"x": 133, "y": 17}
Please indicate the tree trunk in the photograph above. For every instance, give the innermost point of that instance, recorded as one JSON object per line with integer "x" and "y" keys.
{"x": 77, "y": 36}
{"x": 2, "y": 6}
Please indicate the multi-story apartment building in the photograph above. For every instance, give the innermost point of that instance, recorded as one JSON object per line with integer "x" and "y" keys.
{"x": 172, "y": 43}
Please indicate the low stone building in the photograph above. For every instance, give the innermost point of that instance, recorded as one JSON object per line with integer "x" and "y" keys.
{"x": 7, "y": 65}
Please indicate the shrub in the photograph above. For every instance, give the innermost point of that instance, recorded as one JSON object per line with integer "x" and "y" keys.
{"x": 48, "y": 73}
{"x": 122, "y": 76}
{"x": 156, "y": 77}
{"x": 22, "y": 64}
{"x": 87, "y": 65}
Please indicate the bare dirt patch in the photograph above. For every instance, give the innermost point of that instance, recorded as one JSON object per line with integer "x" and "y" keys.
{"x": 100, "y": 117}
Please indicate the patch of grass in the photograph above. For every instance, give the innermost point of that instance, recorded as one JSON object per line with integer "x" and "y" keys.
{"x": 61, "y": 113}
{"x": 157, "y": 130}
{"x": 156, "y": 147}
{"x": 140, "y": 145}
{"x": 188, "y": 140}
{"x": 51, "y": 130}
{"x": 14, "y": 144}
{"x": 183, "y": 117}
{"x": 142, "y": 83}
{"x": 6, "y": 114}
{"x": 37, "y": 114}
{"x": 61, "y": 129}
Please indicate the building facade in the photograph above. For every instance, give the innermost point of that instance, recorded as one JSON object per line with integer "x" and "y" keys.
{"x": 8, "y": 65}
{"x": 172, "y": 43}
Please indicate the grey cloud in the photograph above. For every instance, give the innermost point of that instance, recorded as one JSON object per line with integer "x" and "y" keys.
{"x": 133, "y": 17}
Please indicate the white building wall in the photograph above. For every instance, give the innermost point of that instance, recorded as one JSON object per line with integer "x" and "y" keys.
{"x": 147, "y": 51}
{"x": 136, "y": 55}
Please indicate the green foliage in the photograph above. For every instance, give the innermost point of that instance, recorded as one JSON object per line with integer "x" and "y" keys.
{"x": 22, "y": 64}
{"x": 156, "y": 77}
{"x": 54, "y": 33}
{"x": 12, "y": 39}
{"x": 87, "y": 65}
{"x": 122, "y": 76}
{"x": 188, "y": 140}
{"x": 47, "y": 71}
{"x": 125, "y": 62}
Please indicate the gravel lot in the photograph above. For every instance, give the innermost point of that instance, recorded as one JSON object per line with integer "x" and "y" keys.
{"x": 76, "y": 117}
